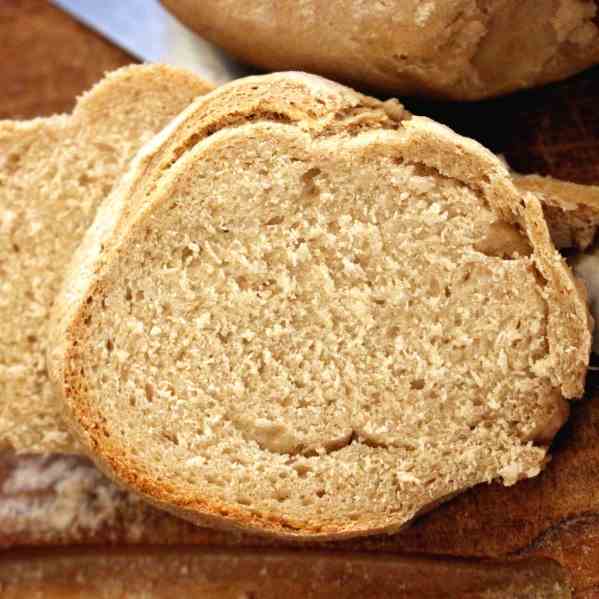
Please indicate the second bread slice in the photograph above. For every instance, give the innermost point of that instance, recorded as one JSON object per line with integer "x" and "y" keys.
{"x": 54, "y": 172}
{"x": 308, "y": 313}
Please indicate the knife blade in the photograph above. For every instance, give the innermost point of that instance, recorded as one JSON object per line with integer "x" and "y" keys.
{"x": 147, "y": 31}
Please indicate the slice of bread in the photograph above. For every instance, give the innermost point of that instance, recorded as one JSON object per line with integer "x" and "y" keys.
{"x": 308, "y": 313}
{"x": 53, "y": 174}
{"x": 457, "y": 49}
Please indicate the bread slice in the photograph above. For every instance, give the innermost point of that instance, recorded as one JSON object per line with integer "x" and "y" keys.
{"x": 453, "y": 49}
{"x": 308, "y": 313}
{"x": 58, "y": 169}
{"x": 53, "y": 174}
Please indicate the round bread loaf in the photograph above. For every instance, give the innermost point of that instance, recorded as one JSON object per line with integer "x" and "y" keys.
{"x": 459, "y": 49}
{"x": 309, "y": 313}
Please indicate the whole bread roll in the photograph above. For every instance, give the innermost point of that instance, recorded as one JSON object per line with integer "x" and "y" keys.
{"x": 458, "y": 49}
{"x": 54, "y": 173}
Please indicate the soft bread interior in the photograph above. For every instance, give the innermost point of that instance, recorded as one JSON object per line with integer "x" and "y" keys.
{"x": 324, "y": 334}
{"x": 54, "y": 173}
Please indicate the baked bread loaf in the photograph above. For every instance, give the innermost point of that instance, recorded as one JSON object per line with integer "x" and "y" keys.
{"x": 53, "y": 174}
{"x": 308, "y": 313}
{"x": 459, "y": 49}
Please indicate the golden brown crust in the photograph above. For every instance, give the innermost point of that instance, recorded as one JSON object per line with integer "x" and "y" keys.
{"x": 455, "y": 49}
{"x": 290, "y": 98}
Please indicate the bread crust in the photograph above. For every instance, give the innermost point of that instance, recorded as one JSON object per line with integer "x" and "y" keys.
{"x": 452, "y": 49}
{"x": 315, "y": 107}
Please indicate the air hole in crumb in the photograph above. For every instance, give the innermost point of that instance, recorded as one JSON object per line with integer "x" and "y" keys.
{"x": 393, "y": 331}
{"x": 128, "y": 294}
{"x": 224, "y": 337}
{"x": 504, "y": 240}
{"x": 12, "y": 162}
{"x": 31, "y": 338}
{"x": 302, "y": 470}
{"x": 139, "y": 295}
{"x": 417, "y": 384}
{"x": 89, "y": 300}
{"x": 103, "y": 304}
{"x": 170, "y": 436}
{"x": 167, "y": 310}
{"x": 85, "y": 179}
{"x": 16, "y": 248}
{"x": 320, "y": 493}
{"x": 275, "y": 220}
{"x": 447, "y": 292}
{"x": 310, "y": 186}
{"x": 149, "y": 390}
{"x": 244, "y": 501}
{"x": 132, "y": 401}
{"x": 281, "y": 496}
{"x": 109, "y": 345}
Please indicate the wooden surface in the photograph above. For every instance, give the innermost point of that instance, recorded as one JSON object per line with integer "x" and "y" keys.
{"x": 237, "y": 574}
{"x": 46, "y": 60}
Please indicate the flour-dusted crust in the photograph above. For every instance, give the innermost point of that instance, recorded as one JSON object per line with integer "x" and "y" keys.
{"x": 226, "y": 346}
{"x": 54, "y": 172}
{"x": 460, "y": 49}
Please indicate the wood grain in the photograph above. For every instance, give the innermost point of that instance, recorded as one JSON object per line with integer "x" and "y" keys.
{"x": 48, "y": 59}
{"x": 234, "y": 574}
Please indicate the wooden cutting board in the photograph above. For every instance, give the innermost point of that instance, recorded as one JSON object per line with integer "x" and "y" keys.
{"x": 46, "y": 59}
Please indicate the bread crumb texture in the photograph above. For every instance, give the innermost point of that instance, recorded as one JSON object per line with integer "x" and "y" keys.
{"x": 459, "y": 49}
{"x": 314, "y": 318}
{"x": 54, "y": 172}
